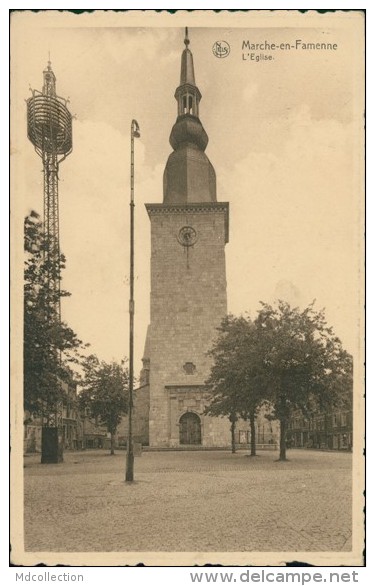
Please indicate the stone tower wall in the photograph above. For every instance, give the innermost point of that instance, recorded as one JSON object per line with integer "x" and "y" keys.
{"x": 188, "y": 302}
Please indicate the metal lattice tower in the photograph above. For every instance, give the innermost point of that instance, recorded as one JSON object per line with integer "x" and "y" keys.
{"x": 49, "y": 128}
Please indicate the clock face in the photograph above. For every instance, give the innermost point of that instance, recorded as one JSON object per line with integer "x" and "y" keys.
{"x": 187, "y": 236}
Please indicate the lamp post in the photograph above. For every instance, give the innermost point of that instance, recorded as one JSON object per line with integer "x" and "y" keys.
{"x": 129, "y": 475}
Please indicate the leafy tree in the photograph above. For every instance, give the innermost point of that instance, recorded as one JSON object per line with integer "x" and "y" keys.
{"x": 50, "y": 346}
{"x": 235, "y": 375}
{"x": 105, "y": 393}
{"x": 305, "y": 365}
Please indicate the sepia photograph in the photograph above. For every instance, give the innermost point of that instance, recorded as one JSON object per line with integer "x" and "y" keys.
{"x": 187, "y": 285}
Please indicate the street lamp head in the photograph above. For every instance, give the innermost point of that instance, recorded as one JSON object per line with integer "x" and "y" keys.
{"x": 135, "y": 129}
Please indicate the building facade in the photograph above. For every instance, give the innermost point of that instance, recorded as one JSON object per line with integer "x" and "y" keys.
{"x": 72, "y": 423}
{"x": 332, "y": 430}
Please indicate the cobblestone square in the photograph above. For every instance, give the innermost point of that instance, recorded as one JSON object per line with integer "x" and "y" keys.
{"x": 190, "y": 501}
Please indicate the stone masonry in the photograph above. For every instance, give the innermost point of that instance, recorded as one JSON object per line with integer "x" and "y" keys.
{"x": 188, "y": 301}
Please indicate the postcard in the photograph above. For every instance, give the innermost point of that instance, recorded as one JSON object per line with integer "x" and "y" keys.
{"x": 187, "y": 256}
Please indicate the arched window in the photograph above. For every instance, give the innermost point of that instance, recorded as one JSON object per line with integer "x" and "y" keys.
{"x": 190, "y": 429}
{"x": 188, "y": 104}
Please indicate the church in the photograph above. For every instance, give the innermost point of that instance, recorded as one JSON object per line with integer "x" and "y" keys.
{"x": 188, "y": 298}
{"x": 189, "y": 231}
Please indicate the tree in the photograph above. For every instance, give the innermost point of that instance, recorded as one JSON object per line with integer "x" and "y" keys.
{"x": 105, "y": 393}
{"x": 50, "y": 346}
{"x": 235, "y": 375}
{"x": 305, "y": 365}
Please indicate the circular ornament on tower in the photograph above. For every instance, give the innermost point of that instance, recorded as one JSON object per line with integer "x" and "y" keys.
{"x": 187, "y": 236}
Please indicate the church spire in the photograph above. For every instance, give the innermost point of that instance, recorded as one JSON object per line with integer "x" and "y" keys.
{"x": 189, "y": 176}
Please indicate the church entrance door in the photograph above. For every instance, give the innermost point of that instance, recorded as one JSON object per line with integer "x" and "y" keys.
{"x": 190, "y": 429}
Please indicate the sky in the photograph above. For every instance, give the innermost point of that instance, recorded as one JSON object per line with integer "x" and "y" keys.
{"x": 284, "y": 138}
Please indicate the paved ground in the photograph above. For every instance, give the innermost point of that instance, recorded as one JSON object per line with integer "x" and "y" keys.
{"x": 189, "y": 501}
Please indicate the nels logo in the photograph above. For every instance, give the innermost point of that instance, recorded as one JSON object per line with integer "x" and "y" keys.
{"x": 221, "y": 49}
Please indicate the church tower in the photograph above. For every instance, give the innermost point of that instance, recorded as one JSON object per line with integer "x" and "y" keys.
{"x": 189, "y": 231}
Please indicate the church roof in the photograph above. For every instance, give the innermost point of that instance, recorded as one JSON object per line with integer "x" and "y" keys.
{"x": 189, "y": 177}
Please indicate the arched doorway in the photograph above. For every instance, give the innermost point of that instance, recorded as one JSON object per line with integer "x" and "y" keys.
{"x": 190, "y": 429}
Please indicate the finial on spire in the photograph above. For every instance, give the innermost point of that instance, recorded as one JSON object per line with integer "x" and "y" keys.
{"x": 186, "y": 40}
{"x": 187, "y": 67}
